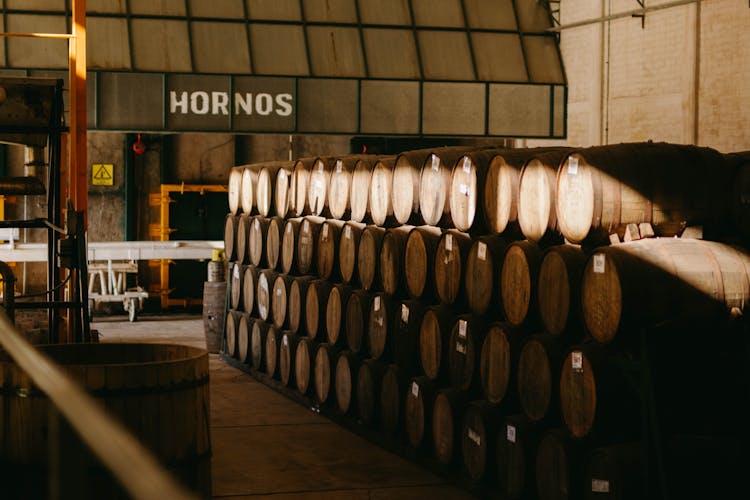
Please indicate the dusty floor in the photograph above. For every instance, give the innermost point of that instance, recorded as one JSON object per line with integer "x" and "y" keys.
{"x": 267, "y": 446}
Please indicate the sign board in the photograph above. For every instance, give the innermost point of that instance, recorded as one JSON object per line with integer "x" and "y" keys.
{"x": 102, "y": 174}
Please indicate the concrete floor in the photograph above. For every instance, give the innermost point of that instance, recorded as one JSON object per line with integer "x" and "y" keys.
{"x": 267, "y": 446}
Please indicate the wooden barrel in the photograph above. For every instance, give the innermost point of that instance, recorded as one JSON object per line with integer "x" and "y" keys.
{"x": 392, "y": 392}
{"x": 243, "y": 338}
{"x": 405, "y": 185}
{"x": 297, "y": 302}
{"x": 615, "y": 472}
{"x": 348, "y": 250}
{"x": 369, "y": 380}
{"x": 740, "y": 197}
{"x": 519, "y": 277}
{"x": 642, "y": 283}
{"x": 498, "y": 361}
{"x": 368, "y": 257}
{"x": 325, "y": 356}
{"x": 559, "y": 290}
{"x": 271, "y": 351}
{"x": 357, "y": 314}
{"x": 419, "y": 255}
{"x": 447, "y": 413}
{"x": 336, "y": 313}
{"x": 303, "y": 363}
{"x": 258, "y": 334}
{"x": 263, "y": 293}
{"x": 517, "y": 441}
{"x": 479, "y": 430}
{"x": 347, "y": 367}
{"x": 383, "y": 313}
{"x": 233, "y": 190}
{"x": 340, "y": 186}
{"x": 265, "y": 190}
{"x": 138, "y": 384}
{"x": 274, "y": 235}
{"x": 299, "y": 186}
{"x": 434, "y": 334}
{"x": 307, "y": 242}
{"x": 243, "y": 233}
{"x": 405, "y": 338}
{"x": 467, "y": 336}
{"x": 235, "y": 285}
{"x": 214, "y": 313}
{"x": 327, "y": 251}
{"x": 482, "y": 264}
{"x": 287, "y": 355}
{"x": 559, "y": 467}
{"x": 537, "y": 189}
{"x": 391, "y": 265}
{"x": 257, "y": 242}
{"x": 317, "y": 189}
{"x": 465, "y": 191}
{"x": 289, "y": 255}
{"x": 280, "y": 300}
{"x": 248, "y": 186}
{"x": 539, "y": 376}
{"x": 316, "y": 304}
{"x": 230, "y": 332}
{"x": 420, "y": 399}
{"x": 435, "y": 186}
{"x": 450, "y": 264}
{"x": 249, "y": 285}
{"x": 359, "y": 194}
{"x": 283, "y": 194}
{"x": 667, "y": 185}
{"x": 595, "y": 396}
{"x": 381, "y": 185}
{"x": 230, "y": 237}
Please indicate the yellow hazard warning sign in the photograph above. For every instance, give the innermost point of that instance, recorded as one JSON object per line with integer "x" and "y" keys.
{"x": 102, "y": 174}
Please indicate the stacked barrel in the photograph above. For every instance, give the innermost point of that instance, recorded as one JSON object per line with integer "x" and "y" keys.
{"x": 520, "y": 312}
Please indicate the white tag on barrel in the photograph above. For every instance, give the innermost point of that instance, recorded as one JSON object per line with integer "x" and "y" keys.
{"x": 510, "y": 433}
{"x": 573, "y": 165}
{"x": 475, "y": 437}
{"x": 482, "y": 250}
{"x": 376, "y": 305}
{"x": 576, "y": 360}
{"x": 415, "y": 389}
{"x": 404, "y": 314}
{"x": 466, "y": 165}
{"x": 599, "y": 486}
{"x": 599, "y": 263}
{"x": 449, "y": 242}
{"x": 435, "y": 163}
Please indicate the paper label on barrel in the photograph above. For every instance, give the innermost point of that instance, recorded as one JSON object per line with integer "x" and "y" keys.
{"x": 262, "y": 309}
{"x": 306, "y": 225}
{"x": 282, "y": 174}
{"x": 339, "y": 165}
{"x": 325, "y": 231}
{"x": 288, "y": 228}
{"x": 449, "y": 242}
{"x": 435, "y": 163}
{"x": 376, "y": 305}
{"x": 462, "y": 328}
{"x": 576, "y": 358}
{"x": 466, "y": 165}
{"x": 320, "y": 166}
{"x": 318, "y": 184}
{"x": 482, "y": 250}
{"x": 475, "y": 437}
{"x": 348, "y": 232}
{"x": 600, "y": 486}
{"x": 573, "y": 165}
{"x": 463, "y": 189}
{"x": 285, "y": 340}
{"x": 599, "y": 263}
{"x": 415, "y": 389}
{"x": 278, "y": 292}
{"x": 404, "y": 313}
{"x": 236, "y": 272}
{"x": 510, "y": 433}
{"x": 460, "y": 347}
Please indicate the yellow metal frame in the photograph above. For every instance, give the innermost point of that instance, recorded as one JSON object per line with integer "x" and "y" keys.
{"x": 161, "y": 231}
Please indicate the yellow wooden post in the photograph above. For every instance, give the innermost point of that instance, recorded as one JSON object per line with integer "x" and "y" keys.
{"x": 78, "y": 158}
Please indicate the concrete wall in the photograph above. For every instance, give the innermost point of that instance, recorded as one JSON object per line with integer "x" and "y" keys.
{"x": 682, "y": 77}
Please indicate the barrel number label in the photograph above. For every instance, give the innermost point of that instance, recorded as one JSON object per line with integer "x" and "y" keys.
{"x": 463, "y": 189}
{"x": 285, "y": 340}
{"x": 289, "y": 228}
{"x": 573, "y": 165}
{"x": 415, "y": 389}
{"x": 600, "y": 486}
{"x": 404, "y": 313}
{"x": 236, "y": 272}
{"x": 461, "y": 346}
{"x": 482, "y": 250}
{"x": 510, "y": 433}
{"x": 449, "y": 242}
{"x": 339, "y": 166}
{"x": 466, "y": 165}
{"x": 576, "y": 358}
{"x": 474, "y": 437}
{"x": 348, "y": 232}
{"x": 325, "y": 231}
{"x": 282, "y": 175}
{"x": 435, "y": 163}
{"x": 599, "y": 263}
{"x": 306, "y": 225}
{"x": 376, "y": 305}
{"x": 278, "y": 292}
{"x": 462, "y": 328}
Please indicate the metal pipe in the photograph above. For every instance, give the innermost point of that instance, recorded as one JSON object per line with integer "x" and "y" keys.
{"x": 630, "y": 13}
{"x": 20, "y": 186}
{"x": 9, "y": 297}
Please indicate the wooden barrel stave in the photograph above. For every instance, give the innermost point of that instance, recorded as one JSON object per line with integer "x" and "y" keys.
{"x": 419, "y": 253}
{"x": 481, "y": 277}
{"x": 234, "y": 189}
{"x": 307, "y": 241}
{"x": 256, "y": 247}
{"x": 450, "y": 265}
{"x": 537, "y": 214}
{"x": 230, "y": 237}
{"x": 280, "y": 300}
{"x": 327, "y": 251}
{"x": 519, "y": 277}
{"x": 324, "y": 372}
{"x": 369, "y": 381}
{"x": 348, "y": 250}
{"x": 467, "y": 336}
{"x": 271, "y": 351}
{"x": 287, "y": 356}
{"x": 230, "y": 332}
{"x": 263, "y": 292}
{"x": 249, "y": 284}
{"x": 538, "y": 377}
{"x": 248, "y": 187}
{"x": 479, "y": 430}
{"x": 303, "y": 364}
{"x": 243, "y": 234}
{"x": 381, "y": 321}
{"x": 316, "y": 302}
{"x": 434, "y": 339}
{"x": 380, "y": 195}
{"x": 283, "y": 194}
{"x": 559, "y": 290}
{"x": 258, "y": 334}
{"x": 236, "y": 286}
{"x": 289, "y": 253}
{"x": 347, "y": 368}
{"x": 558, "y": 466}
{"x": 498, "y": 362}
{"x": 243, "y": 338}
{"x": 447, "y": 413}
{"x": 335, "y": 315}
{"x": 297, "y": 303}
{"x": 517, "y": 441}
{"x": 273, "y": 238}
{"x": 357, "y": 314}
{"x": 405, "y": 338}
{"x": 418, "y": 405}
{"x": 368, "y": 257}
{"x": 391, "y": 262}
{"x": 392, "y": 393}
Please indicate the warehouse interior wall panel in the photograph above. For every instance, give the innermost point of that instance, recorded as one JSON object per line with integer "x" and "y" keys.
{"x": 448, "y": 108}
{"x": 157, "y": 7}
{"x": 438, "y": 13}
{"x": 391, "y": 53}
{"x": 264, "y": 118}
{"x": 223, "y": 9}
{"x": 106, "y": 6}
{"x": 208, "y": 97}
{"x": 131, "y": 100}
{"x": 511, "y": 67}
{"x": 40, "y": 5}
{"x": 327, "y": 106}
{"x": 512, "y": 113}
{"x": 335, "y": 51}
{"x": 543, "y": 59}
{"x": 273, "y": 58}
{"x": 558, "y": 122}
{"x": 330, "y": 11}
{"x": 108, "y": 43}
{"x": 223, "y": 47}
{"x": 274, "y": 10}
{"x": 36, "y": 52}
{"x": 160, "y": 45}
{"x": 533, "y": 17}
{"x": 390, "y": 107}
{"x": 385, "y": 12}
{"x": 497, "y": 15}
{"x": 445, "y": 55}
